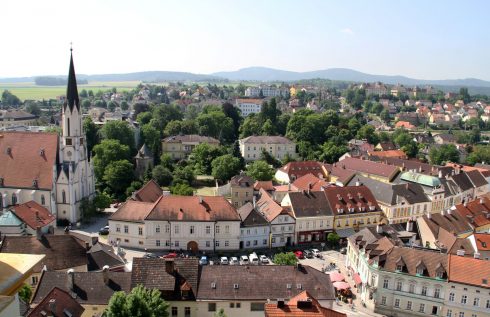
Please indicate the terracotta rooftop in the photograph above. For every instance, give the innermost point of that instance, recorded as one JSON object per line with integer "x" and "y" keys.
{"x": 482, "y": 241}
{"x": 311, "y": 182}
{"x": 241, "y": 180}
{"x": 470, "y": 271}
{"x": 309, "y": 204}
{"x": 386, "y": 146}
{"x": 132, "y": 211}
{"x": 255, "y": 101}
{"x": 453, "y": 223}
{"x": 476, "y": 211}
{"x": 266, "y": 139}
{"x": 301, "y": 168}
{"x": 57, "y": 303}
{"x": 359, "y": 199}
{"x": 150, "y": 192}
{"x": 369, "y": 167}
{"x": 266, "y": 185}
{"x": 251, "y": 217}
{"x": 390, "y": 153}
{"x": 269, "y": 207}
{"x": 33, "y": 214}
{"x": 301, "y": 305}
{"x": 28, "y": 159}
{"x": 410, "y": 259}
{"x": 62, "y": 251}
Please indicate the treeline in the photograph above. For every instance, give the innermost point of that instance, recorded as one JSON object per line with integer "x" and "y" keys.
{"x": 55, "y": 81}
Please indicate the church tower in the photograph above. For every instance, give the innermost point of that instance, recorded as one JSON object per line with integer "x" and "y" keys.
{"x": 75, "y": 180}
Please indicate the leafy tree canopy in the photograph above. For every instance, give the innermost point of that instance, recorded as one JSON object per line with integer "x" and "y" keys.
{"x": 140, "y": 302}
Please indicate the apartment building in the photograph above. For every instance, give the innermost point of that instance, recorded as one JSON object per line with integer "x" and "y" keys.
{"x": 249, "y": 106}
{"x": 180, "y": 146}
{"x": 278, "y": 147}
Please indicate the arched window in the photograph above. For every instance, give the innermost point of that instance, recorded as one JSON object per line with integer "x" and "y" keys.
{"x": 63, "y": 196}
{"x": 68, "y": 127}
{"x": 43, "y": 200}
{"x": 14, "y": 199}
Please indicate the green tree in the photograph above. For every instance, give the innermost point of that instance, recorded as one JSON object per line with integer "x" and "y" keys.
{"x": 267, "y": 157}
{"x": 86, "y": 104}
{"x": 184, "y": 175}
{"x": 111, "y": 106}
{"x": 124, "y": 105}
{"x": 369, "y": 133}
{"x": 151, "y": 137}
{"x": 106, "y": 152}
{"x": 34, "y": 109}
{"x": 140, "y": 302}
{"x": 162, "y": 175}
{"x": 174, "y": 127}
{"x": 333, "y": 239}
{"x": 385, "y": 115}
{"x": 91, "y": 133}
{"x": 443, "y": 154}
{"x": 135, "y": 185}
{"x": 480, "y": 154}
{"x": 331, "y": 152}
{"x": 88, "y": 208}
{"x": 225, "y": 167}
{"x": 102, "y": 200}
{"x": 25, "y": 293}
{"x": 269, "y": 111}
{"x": 260, "y": 170}
{"x": 182, "y": 189}
{"x": 268, "y": 128}
{"x": 215, "y": 124}
{"x": 233, "y": 113}
{"x": 119, "y": 130}
{"x": 83, "y": 93}
{"x": 118, "y": 175}
{"x": 202, "y": 156}
{"x": 252, "y": 125}
{"x": 166, "y": 161}
{"x": 9, "y": 99}
{"x": 287, "y": 258}
{"x": 220, "y": 313}
{"x": 163, "y": 114}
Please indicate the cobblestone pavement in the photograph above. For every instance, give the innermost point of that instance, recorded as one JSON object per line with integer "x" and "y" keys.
{"x": 339, "y": 260}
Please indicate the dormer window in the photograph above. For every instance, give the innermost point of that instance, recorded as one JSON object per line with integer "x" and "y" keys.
{"x": 372, "y": 208}
{"x": 1, "y": 181}
{"x": 34, "y": 183}
{"x": 8, "y": 151}
{"x": 399, "y": 267}
{"x": 41, "y": 152}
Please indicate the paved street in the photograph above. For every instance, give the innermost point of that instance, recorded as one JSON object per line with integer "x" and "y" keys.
{"x": 339, "y": 260}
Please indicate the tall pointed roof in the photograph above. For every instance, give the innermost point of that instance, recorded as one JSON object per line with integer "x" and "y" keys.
{"x": 72, "y": 99}
{"x": 144, "y": 152}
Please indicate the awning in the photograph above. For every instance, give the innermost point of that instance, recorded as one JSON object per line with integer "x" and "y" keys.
{"x": 336, "y": 277}
{"x": 344, "y": 233}
{"x": 341, "y": 285}
{"x": 357, "y": 279}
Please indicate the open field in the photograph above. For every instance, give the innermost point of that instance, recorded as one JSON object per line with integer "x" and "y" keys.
{"x": 29, "y": 90}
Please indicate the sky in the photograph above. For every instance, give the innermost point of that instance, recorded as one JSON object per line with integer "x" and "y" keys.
{"x": 421, "y": 39}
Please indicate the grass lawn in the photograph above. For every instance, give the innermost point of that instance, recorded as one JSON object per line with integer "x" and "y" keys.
{"x": 205, "y": 191}
{"x": 31, "y": 91}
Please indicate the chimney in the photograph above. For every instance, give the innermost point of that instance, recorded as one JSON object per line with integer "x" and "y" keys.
{"x": 429, "y": 215}
{"x": 379, "y": 229}
{"x": 105, "y": 274}
{"x": 52, "y": 306}
{"x": 481, "y": 201}
{"x": 169, "y": 266}
{"x": 409, "y": 226}
{"x": 254, "y": 201}
{"x": 70, "y": 280}
{"x": 39, "y": 233}
{"x": 358, "y": 183}
{"x": 200, "y": 199}
{"x": 280, "y": 302}
{"x": 87, "y": 246}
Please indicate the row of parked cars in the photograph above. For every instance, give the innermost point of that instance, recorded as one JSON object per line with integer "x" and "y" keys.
{"x": 252, "y": 258}
{"x": 309, "y": 254}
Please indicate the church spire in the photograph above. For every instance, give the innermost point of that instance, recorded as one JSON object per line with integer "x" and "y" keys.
{"x": 72, "y": 99}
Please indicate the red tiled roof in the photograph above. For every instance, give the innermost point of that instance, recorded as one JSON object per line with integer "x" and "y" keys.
{"x": 476, "y": 211}
{"x": 469, "y": 271}
{"x": 63, "y": 302}
{"x": 390, "y": 153}
{"x": 310, "y": 182}
{"x": 132, "y": 211}
{"x": 358, "y": 197}
{"x": 22, "y": 162}
{"x": 266, "y": 185}
{"x": 150, "y": 192}
{"x": 482, "y": 241}
{"x": 296, "y": 308}
{"x": 404, "y": 124}
{"x": 255, "y": 101}
{"x": 269, "y": 207}
{"x": 368, "y": 167}
{"x": 33, "y": 214}
{"x": 302, "y": 168}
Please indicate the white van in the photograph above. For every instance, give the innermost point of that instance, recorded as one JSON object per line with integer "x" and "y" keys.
{"x": 244, "y": 260}
{"x": 254, "y": 259}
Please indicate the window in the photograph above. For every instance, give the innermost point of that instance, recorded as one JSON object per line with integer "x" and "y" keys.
{"x": 227, "y": 243}
{"x": 464, "y": 299}
{"x": 399, "y": 267}
{"x": 208, "y": 244}
{"x": 167, "y": 243}
{"x": 383, "y": 300}
{"x": 461, "y": 314}
{"x": 232, "y": 305}
{"x": 264, "y": 242}
{"x": 449, "y": 313}
{"x": 35, "y": 280}
{"x": 140, "y": 242}
{"x": 386, "y": 283}
{"x": 437, "y": 292}
{"x": 273, "y": 240}
{"x": 175, "y": 311}
{"x": 488, "y": 304}
{"x": 216, "y": 243}
{"x": 399, "y": 285}
{"x": 411, "y": 288}
{"x": 256, "y": 242}
{"x": 227, "y": 229}
{"x": 158, "y": 243}
{"x": 216, "y": 229}
{"x": 424, "y": 290}
{"x": 177, "y": 244}
{"x": 238, "y": 305}
{"x": 422, "y": 308}
{"x": 420, "y": 270}
{"x": 476, "y": 302}
{"x": 43, "y": 200}
{"x": 157, "y": 229}
{"x": 409, "y": 305}
{"x": 140, "y": 231}
{"x": 434, "y": 310}
{"x": 126, "y": 229}
{"x": 192, "y": 229}
{"x": 248, "y": 243}
{"x": 256, "y": 306}
{"x": 118, "y": 228}
{"x": 167, "y": 228}
{"x": 211, "y": 306}
{"x": 63, "y": 197}
{"x": 397, "y": 303}
{"x": 187, "y": 311}
{"x": 208, "y": 229}
{"x": 176, "y": 229}
{"x": 451, "y": 297}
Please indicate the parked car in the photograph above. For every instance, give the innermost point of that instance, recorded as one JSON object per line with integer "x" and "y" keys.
{"x": 203, "y": 260}
{"x": 244, "y": 260}
{"x": 343, "y": 250}
{"x": 170, "y": 255}
{"x": 223, "y": 260}
{"x": 299, "y": 254}
{"x": 308, "y": 254}
{"x": 316, "y": 252}
{"x": 233, "y": 260}
{"x": 104, "y": 230}
{"x": 150, "y": 256}
{"x": 253, "y": 258}
{"x": 263, "y": 259}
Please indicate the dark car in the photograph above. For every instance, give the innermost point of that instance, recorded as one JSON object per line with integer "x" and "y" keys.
{"x": 308, "y": 254}
{"x": 150, "y": 256}
{"x": 104, "y": 230}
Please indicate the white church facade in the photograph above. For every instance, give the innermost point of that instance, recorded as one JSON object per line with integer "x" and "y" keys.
{"x": 53, "y": 170}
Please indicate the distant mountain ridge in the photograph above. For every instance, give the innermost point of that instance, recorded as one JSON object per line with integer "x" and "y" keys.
{"x": 265, "y": 74}
{"x": 344, "y": 74}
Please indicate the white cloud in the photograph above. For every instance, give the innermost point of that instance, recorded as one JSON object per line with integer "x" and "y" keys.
{"x": 347, "y": 31}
